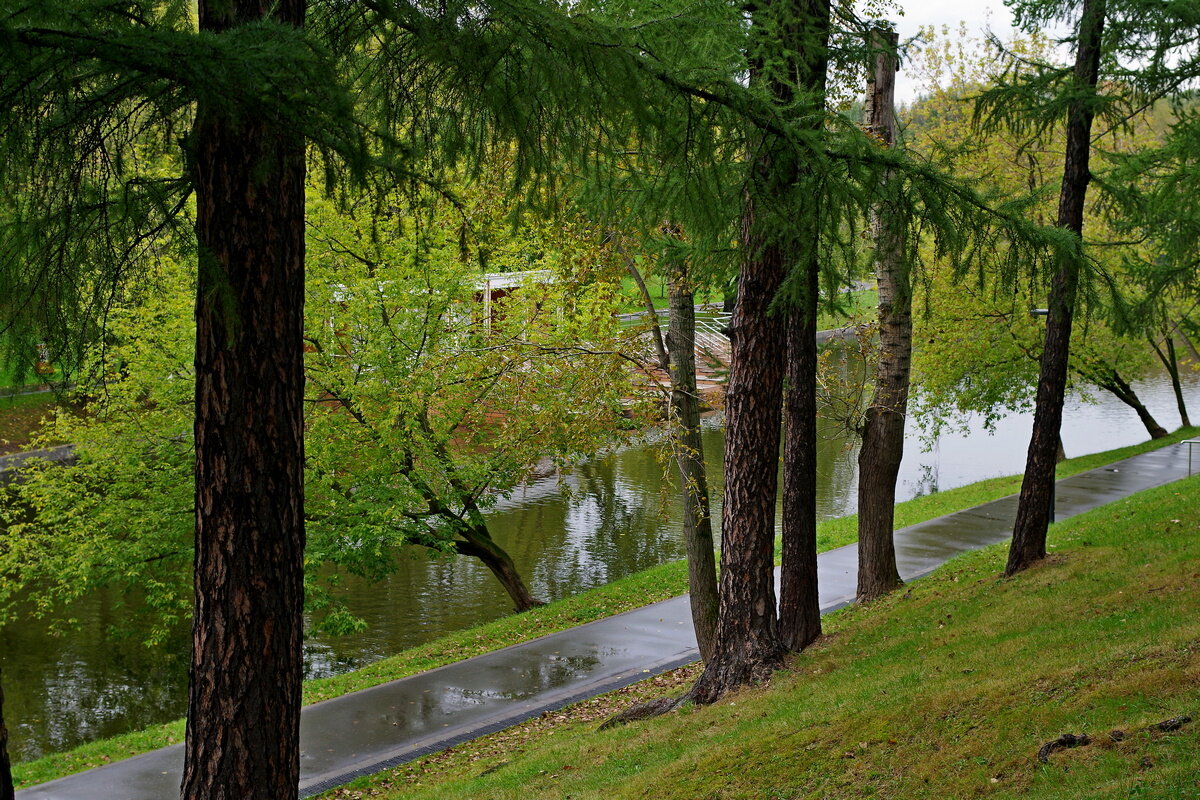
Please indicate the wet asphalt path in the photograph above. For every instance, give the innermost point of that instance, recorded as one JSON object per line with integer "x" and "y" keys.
{"x": 375, "y": 728}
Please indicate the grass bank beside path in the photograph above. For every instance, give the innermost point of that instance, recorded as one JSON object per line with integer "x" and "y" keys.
{"x": 21, "y": 417}
{"x": 631, "y": 592}
{"x": 947, "y": 689}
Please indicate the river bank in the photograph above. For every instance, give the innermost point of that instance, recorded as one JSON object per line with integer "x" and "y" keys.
{"x": 649, "y": 586}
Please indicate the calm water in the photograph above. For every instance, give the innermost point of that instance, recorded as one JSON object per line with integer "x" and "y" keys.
{"x": 609, "y": 519}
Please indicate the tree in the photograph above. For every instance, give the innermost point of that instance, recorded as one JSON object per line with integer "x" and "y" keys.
{"x": 263, "y": 91}
{"x": 242, "y": 731}
{"x": 430, "y": 405}
{"x": 411, "y": 388}
{"x": 883, "y": 424}
{"x": 688, "y": 448}
{"x": 748, "y": 648}
{"x": 799, "y": 603}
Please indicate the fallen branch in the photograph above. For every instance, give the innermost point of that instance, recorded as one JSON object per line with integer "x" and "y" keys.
{"x": 1166, "y": 726}
{"x": 1062, "y": 743}
{"x": 1068, "y": 740}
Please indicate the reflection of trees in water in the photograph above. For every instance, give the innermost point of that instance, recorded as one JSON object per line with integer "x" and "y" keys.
{"x": 86, "y": 683}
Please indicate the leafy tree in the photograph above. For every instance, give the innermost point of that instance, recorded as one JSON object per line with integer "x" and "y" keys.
{"x": 1151, "y": 38}
{"x": 257, "y": 86}
{"x": 421, "y": 411}
{"x": 978, "y": 340}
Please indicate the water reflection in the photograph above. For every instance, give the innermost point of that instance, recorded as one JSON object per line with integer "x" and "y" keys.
{"x": 609, "y": 519}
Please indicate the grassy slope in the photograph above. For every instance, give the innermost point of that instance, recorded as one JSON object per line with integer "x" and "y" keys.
{"x": 646, "y": 587}
{"x": 21, "y": 417}
{"x": 946, "y": 690}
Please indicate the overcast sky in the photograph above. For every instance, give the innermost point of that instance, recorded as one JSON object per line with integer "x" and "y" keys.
{"x": 976, "y": 13}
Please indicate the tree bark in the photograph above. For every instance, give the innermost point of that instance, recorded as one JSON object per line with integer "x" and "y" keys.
{"x": 245, "y": 679}
{"x": 748, "y": 646}
{"x": 1037, "y": 487}
{"x": 1170, "y": 361}
{"x": 1125, "y": 393}
{"x": 689, "y": 457}
{"x": 799, "y": 604}
{"x": 479, "y": 544}
{"x": 7, "y": 792}
{"x": 883, "y": 427}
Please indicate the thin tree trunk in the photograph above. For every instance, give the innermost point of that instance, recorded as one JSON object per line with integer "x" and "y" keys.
{"x": 1173, "y": 358}
{"x": 799, "y": 603}
{"x": 883, "y": 428}
{"x": 1170, "y": 360}
{"x": 478, "y": 543}
{"x": 1037, "y": 487}
{"x": 245, "y": 680}
{"x": 689, "y": 456}
{"x": 1187, "y": 335}
{"x": 7, "y": 792}
{"x": 1125, "y": 393}
{"x": 660, "y": 347}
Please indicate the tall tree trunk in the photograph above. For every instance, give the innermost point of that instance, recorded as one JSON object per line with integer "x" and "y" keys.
{"x": 7, "y": 792}
{"x": 1170, "y": 361}
{"x": 748, "y": 647}
{"x": 245, "y": 679}
{"x": 883, "y": 428}
{"x": 1037, "y": 487}
{"x": 1125, "y": 393}
{"x": 477, "y": 542}
{"x": 799, "y": 603}
{"x": 689, "y": 456}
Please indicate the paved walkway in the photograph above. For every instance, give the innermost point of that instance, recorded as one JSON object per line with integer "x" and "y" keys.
{"x": 376, "y": 728}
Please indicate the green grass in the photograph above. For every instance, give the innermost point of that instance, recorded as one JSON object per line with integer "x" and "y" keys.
{"x": 643, "y": 588}
{"x": 632, "y": 300}
{"x": 836, "y": 532}
{"x": 21, "y": 417}
{"x": 857, "y": 306}
{"x": 944, "y": 690}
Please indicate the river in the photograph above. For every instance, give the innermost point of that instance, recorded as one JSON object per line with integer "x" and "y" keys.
{"x": 610, "y": 518}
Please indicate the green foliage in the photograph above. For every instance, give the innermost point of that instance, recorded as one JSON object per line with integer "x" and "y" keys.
{"x": 978, "y": 346}
{"x": 422, "y": 411}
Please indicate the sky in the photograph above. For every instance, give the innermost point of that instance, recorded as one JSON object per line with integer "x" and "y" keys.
{"x": 976, "y": 13}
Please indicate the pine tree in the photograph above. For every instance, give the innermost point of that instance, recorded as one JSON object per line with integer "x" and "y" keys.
{"x": 883, "y": 424}
{"x": 799, "y": 603}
